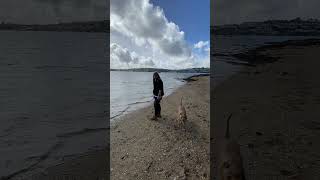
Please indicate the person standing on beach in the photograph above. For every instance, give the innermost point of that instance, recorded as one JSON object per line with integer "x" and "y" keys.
{"x": 157, "y": 94}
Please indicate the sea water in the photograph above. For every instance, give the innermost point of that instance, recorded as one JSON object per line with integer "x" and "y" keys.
{"x": 130, "y": 91}
{"x": 52, "y": 98}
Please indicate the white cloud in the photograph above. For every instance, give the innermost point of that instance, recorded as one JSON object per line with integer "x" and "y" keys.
{"x": 201, "y": 44}
{"x": 139, "y": 26}
{"x": 146, "y": 23}
{"x": 123, "y": 58}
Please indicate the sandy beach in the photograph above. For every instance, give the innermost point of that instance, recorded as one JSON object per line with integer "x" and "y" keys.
{"x": 146, "y": 149}
{"x": 275, "y": 112}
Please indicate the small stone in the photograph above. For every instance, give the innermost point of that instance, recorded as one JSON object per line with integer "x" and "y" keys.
{"x": 124, "y": 157}
{"x": 258, "y": 133}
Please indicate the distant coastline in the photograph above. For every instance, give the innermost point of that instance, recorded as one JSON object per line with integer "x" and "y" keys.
{"x": 190, "y": 70}
{"x": 255, "y": 56}
{"x": 89, "y": 26}
{"x": 294, "y": 27}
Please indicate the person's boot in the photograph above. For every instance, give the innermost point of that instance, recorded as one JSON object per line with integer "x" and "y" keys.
{"x": 153, "y": 118}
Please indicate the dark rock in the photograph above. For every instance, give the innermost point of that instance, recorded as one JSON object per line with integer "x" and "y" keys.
{"x": 258, "y": 133}
{"x": 124, "y": 157}
{"x": 283, "y": 73}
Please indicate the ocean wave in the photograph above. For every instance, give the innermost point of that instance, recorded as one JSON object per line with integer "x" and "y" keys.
{"x": 81, "y": 132}
{"x": 139, "y": 102}
{"x": 34, "y": 165}
{"x": 130, "y": 105}
{"x": 120, "y": 113}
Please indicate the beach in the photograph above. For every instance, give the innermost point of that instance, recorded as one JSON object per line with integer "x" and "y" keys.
{"x": 146, "y": 149}
{"x": 275, "y": 105}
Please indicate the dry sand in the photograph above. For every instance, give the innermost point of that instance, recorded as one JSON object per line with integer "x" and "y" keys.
{"x": 276, "y": 115}
{"x": 146, "y": 149}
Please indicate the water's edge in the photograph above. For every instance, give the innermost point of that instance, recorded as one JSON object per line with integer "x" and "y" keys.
{"x": 115, "y": 119}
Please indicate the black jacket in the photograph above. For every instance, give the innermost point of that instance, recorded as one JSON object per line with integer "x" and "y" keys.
{"x": 158, "y": 85}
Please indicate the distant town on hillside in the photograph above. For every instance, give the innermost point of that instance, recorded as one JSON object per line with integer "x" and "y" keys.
{"x": 190, "y": 70}
{"x": 90, "y": 26}
{"x": 294, "y": 27}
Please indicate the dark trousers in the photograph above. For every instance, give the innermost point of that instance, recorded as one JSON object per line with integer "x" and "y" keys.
{"x": 157, "y": 107}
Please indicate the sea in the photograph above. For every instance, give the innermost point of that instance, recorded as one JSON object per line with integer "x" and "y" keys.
{"x": 130, "y": 91}
{"x": 53, "y": 93}
{"x": 52, "y": 98}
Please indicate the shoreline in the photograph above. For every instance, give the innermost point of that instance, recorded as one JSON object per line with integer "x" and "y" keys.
{"x": 148, "y": 103}
{"x": 191, "y": 78}
{"x": 186, "y": 80}
{"x": 123, "y": 136}
{"x": 274, "y": 112}
{"x": 138, "y": 142}
{"x": 256, "y": 56}
{"x": 64, "y": 166}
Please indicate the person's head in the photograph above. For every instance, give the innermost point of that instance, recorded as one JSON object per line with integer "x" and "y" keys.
{"x": 156, "y": 76}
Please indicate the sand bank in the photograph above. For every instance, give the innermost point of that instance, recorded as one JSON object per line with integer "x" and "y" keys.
{"x": 275, "y": 108}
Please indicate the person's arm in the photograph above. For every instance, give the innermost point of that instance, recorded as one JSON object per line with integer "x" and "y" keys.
{"x": 159, "y": 95}
{"x": 161, "y": 88}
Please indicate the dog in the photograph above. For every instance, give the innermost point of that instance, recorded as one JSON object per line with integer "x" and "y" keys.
{"x": 182, "y": 114}
{"x": 231, "y": 167}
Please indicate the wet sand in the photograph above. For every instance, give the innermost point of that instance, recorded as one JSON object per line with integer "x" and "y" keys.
{"x": 276, "y": 115}
{"x": 146, "y": 149}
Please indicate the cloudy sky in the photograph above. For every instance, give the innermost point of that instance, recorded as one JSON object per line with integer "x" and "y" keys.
{"x": 237, "y": 11}
{"x": 52, "y": 11}
{"x": 159, "y": 34}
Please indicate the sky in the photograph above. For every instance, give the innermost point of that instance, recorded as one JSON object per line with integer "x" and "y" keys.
{"x": 181, "y": 13}
{"x": 159, "y": 34}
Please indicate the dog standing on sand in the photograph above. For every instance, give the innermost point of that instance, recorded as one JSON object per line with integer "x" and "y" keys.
{"x": 182, "y": 114}
{"x": 231, "y": 167}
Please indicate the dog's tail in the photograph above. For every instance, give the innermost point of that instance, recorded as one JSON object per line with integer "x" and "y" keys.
{"x": 228, "y": 127}
{"x": 181, "y": 101}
